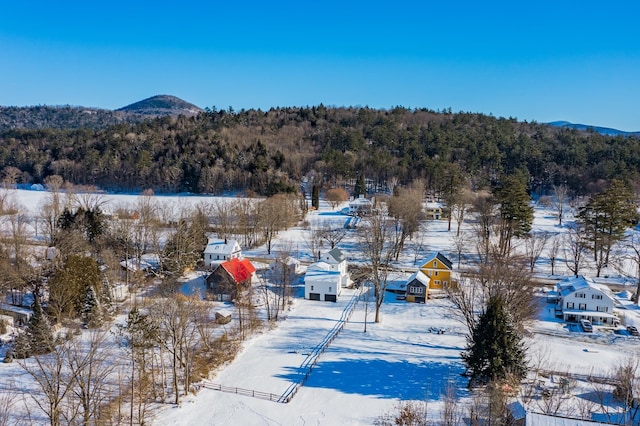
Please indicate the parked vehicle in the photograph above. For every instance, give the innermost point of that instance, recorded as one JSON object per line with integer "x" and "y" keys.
{"x": 633, "y": 331}
{"x": 586, "y": 325}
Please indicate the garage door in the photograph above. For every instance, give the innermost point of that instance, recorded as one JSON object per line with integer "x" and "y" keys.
{"x": 314, "y": 296}
{"x": 330, "y": 298}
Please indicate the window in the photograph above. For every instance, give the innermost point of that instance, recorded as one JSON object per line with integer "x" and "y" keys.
{"x": 436, "y": 273}
{"x": 436, "y": 282}
{"x": 602, "y": 309}
{"x": 596, "y": 296}
{"x": 569, "y": 305}
{"x": 329, "y": 289}
{"x": 580, "y": 295}
{"x": 582, "y": 306}
{"x": 435, "y": 263}
{"x": 311, "y": 288}
{"x": 444, "y": 283}
{"x": 418, "y": 290}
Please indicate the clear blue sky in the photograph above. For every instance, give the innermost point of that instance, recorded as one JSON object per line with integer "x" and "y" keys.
{"x": 539, "y": 60}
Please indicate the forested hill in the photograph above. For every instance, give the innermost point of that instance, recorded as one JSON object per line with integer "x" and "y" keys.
{"x": 63, "y": 117}
{"x": 78, "y": 117}
{"x": 272, "y": 151}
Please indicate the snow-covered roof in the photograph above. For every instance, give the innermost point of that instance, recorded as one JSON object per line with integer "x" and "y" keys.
{"x": 337, "y": 255}
{"x": 320, "y": 267}
{"x": 221, "y": 246}
{"x": 439, "y": 256}
{"x": 360, "y": 202}
{"x": 420, "y": 276}
{"x": 535, "y": 419}
{"x": 572, "y": 284}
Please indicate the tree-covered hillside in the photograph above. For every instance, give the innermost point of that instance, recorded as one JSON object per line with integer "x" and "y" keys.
{"x": 271, "y": 151}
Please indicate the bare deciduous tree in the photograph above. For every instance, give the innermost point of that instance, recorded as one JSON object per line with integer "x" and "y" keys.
{"x": 633, "y": 254}
{"x": 559, "y": 200}
{"x": 504, "y": 277}
{"x": 554, "y": 249}
{"x": 405, "y": 207}
{"x": 534, "y": 245}
{"x": 176, "y": 317}
{"x": 627, "y": 387}
{"x": 335, "y": 196}
{"x": 331, "y": 234}
{"x": 574, "y": 249}
{"x": 56, "y": 382}
{"x": 460, "y": 206}
{"x": 377, "y": 247}
{"x": 8, "y": 399}
{"x": 91, "y": 367}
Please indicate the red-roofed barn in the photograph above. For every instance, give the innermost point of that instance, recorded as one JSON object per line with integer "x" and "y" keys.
{"x": 229, "y": 278}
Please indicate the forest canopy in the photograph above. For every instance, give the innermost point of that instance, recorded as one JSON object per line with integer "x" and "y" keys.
{"x": 268, "y": 152}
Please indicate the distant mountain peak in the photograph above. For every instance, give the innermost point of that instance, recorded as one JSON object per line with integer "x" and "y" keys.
{"x": 584, "y": 127}
{"x": 162, "y": 105}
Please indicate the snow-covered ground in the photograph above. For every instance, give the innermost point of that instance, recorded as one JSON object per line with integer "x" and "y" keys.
{"x": 362, "y": 375}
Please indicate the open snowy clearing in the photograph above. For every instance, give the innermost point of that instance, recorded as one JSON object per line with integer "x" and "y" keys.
{"x": 361, "y": 375}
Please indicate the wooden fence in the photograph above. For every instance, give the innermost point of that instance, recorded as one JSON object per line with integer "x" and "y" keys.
{"x": 307, "y": 365}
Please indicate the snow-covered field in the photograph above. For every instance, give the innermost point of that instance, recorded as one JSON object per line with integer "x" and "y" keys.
{"x": 362, "y": 375}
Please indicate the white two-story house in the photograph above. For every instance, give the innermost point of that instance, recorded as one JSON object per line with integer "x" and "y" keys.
{"x": 338, "y": 262}
{"x": 581, "y": 298}
{"x": 220, "y": 250}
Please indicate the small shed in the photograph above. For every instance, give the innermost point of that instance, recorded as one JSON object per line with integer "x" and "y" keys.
{"x": 417, "y": 287}
{"x": 19, "y": 314}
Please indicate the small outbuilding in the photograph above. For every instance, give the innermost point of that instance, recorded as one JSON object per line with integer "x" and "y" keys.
{"x": 417, "y": 288}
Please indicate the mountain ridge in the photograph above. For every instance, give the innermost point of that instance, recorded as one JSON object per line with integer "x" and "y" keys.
{"x": 77, "y": 117}
{"x": 585, "y": 127}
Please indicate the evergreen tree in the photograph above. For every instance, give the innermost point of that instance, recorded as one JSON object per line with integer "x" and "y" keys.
{"x": 69, "y": 286}
{"x": 495, "y": 351}
{"x": 516, "y": 213}
{"x": 606, "y": 217}
{"x": 92, "y": 309}
{"x": 38, "y": 337}
{"x": 315, "y": 197}
{"x": 361, "y": 187}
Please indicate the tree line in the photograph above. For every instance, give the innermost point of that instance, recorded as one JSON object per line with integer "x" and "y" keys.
{"x": 268, "y": 152}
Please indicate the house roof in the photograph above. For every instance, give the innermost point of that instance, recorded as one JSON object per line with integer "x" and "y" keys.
{"x": 219, "y": 246}
{"x": 364, "y": 202}
{"x": 420, "y": 276}
{"x": 537, "y": 419}
{"x": 240, "y": 270}
{"x": 337, "y": 255}
{"x": 320, "y": 266}
{"x": 439, "y": 256}
{"x": 572, "y": 284}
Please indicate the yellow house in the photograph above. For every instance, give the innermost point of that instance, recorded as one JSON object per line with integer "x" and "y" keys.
{"x": 434, "y": 211}
{"x": 438, "y": 268}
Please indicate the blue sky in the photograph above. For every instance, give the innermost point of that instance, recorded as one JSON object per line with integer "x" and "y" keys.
{"x": 564, "y": 60}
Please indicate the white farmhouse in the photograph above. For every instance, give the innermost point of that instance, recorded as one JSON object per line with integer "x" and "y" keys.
{"x": 360, "y": 206}
{"x": 337, "y": 261}
{"x": 582, "y": 298}
{"x": 322, "y": 282}
{"x": 219, "y": 250}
